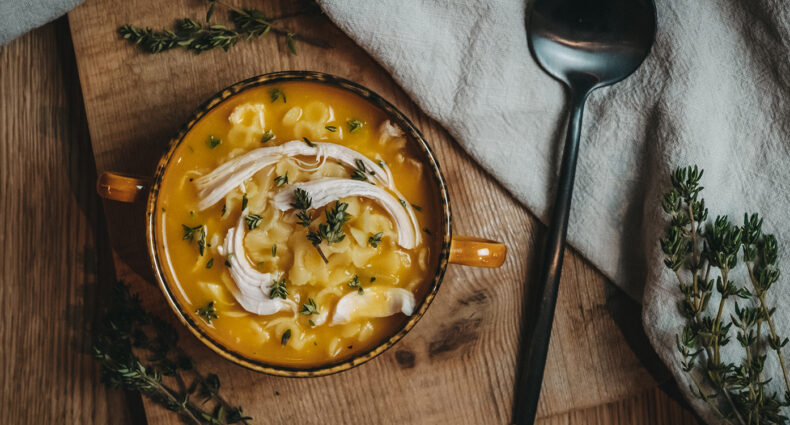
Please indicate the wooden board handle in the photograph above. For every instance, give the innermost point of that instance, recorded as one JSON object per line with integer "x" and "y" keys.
{"x": 121, "y": 187}
{"x": 477, "y": 252}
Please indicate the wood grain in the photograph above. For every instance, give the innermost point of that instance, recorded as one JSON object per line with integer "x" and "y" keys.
{"x": 50, "y": 236}
{"x": 457, "y": 365}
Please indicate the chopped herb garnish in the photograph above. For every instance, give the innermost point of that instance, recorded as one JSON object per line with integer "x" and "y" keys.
{"x": 382, "y": 163}
{"x": 208, "y": 312}
{"x": 425, "y": 229}
{"x": 278, "y": 289}
{"x": 163, "y": 209}
{"x": 274, "y": 250}
{"x": 331, "y": 128}
{"x": 310, "y": 308}
{"x": 355, "y": 284}
{"x": 402, "y": 202}
{"x": 416, "y": 207}
{"x": 276, "y": 94}
{"x": 375, "y": 240}
{"x": 354, "y": 126}
{"x": 359, "y": 172}
{"x": 281, "y": 180}
{"x": 269, "y": 135}
{"x": 253, "y": 221}
{"x": 372, "y": 279}
{"x": 332, "y": 230}
{"x": 309, "y": 143}
{"x": 302, "y": 203}
{"x": 286, "y": 337}
{"x": 244, "y": 202}
{"x": 213, "y": 142}
{"x": 227, "y": 263}
{"x": 191, "y": 232}
{"x": 311, "y": 322}
{"x": 210, "y": 263}
{"x": 224, "y": 210}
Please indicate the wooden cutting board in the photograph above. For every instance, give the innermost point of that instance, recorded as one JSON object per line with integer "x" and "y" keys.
{"x": 458, "y": 364}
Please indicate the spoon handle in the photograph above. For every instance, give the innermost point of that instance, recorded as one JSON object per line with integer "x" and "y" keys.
{"x": 533, "y": 355}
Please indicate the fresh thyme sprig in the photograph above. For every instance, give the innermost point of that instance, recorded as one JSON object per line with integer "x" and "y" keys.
{"x": 736, "y": 393}
{"x": 126, "y": 334}
{"x": 196, "y": 37}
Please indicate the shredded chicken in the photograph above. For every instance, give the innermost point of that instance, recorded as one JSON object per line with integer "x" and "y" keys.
{"x": 373, "y": 302}
{"x": 323, "y": 191}
{"x": 215, "y": 185}
{"x": 252, "y": 287}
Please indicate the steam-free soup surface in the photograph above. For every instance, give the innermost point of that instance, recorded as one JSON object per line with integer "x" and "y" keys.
{"x": 308, "y": 288}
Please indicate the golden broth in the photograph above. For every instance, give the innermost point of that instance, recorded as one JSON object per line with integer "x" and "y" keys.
{"x": 199, "y": 279}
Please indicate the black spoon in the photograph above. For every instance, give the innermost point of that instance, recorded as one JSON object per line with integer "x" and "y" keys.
{"x": 585, "y": 44}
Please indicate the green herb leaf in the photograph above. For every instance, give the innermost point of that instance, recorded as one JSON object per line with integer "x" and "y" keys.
{"x": 289, "y": 40}
{"x": 278, "y": 289}
{"x": 375, "y": 240}
{"x": 274, "y": 250}
{"x": 359, "y": 171}
{"x": 355, "y": 284}
{"x": 280, "y": 181}
{"x": 310, "y": 308}
{"x": 332, "y": 230}
{"x": 354, "y": 126}
{"x": 311, "y": 322}
{"x": 269, "y": 135}
{"x": 331, "y": 128}
{"x": 207, "y": 312}
{"x": 210, "y": 10}
{"x": 416, "y": 207}
{"x": 302, "y": 203}
{"x": 244, "y": 202}
{"x": 372, "y": 279}
{"x": 252, "y": 220}
{"x": 426, "y": 230}
{"x": 210, "y": 263}
{"x": 286, "y": 336}
{"x": 309, "y": 143}
{"x": 275, "y": 94}
{"x": 213, "y": 142}
{"x": 191, "y": 232}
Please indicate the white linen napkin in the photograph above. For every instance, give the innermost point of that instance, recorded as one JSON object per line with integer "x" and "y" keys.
{"x": 20, "y": 16}
{"x": 713, "y": 92}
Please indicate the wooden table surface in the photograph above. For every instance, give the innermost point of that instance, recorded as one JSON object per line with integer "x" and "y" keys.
{"x": 57, "y": 253}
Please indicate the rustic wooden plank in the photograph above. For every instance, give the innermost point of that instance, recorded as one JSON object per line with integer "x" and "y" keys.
{"x": 650, "y": 407}
{"x": 50, "y": 236}
{"x": 458, "y": 364}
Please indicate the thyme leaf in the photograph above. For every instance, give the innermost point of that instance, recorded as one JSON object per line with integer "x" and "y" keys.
{"x": 207, "y": 312}
{"x": 278, "y": 289}
{"x": 375, "y": 240}
{"x": 354, "y": 126}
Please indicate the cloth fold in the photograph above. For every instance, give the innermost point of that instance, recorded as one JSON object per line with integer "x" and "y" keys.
{"x": 713, "y": 92}
{"x": 20, "y": 16}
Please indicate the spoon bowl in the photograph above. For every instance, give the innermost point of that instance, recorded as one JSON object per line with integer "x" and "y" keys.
{"x": 585, "y": 44}
{"x": 591, "y": 43}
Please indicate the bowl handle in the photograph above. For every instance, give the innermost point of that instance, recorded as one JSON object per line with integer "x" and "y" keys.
{"x": 121, "y": 187}
{"x": 477, "y": 252}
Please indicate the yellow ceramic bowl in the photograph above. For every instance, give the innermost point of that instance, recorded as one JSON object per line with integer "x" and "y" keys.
{"x": 459, "y": 250}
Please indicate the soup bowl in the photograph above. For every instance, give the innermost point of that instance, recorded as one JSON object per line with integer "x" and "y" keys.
{"x": 467, "y": 251}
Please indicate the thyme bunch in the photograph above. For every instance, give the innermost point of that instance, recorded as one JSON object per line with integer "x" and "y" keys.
{"x": 703, "y": 255}
{"x": 191, "y": 35}
{"x": 138, "y": 352}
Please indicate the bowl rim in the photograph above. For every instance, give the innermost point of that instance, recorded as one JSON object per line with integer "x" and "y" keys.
{"x": 393, "y": 114}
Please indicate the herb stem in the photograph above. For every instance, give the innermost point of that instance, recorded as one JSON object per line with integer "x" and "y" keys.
{"x": 764, "y": 310}
{"x": 277, "y": 30}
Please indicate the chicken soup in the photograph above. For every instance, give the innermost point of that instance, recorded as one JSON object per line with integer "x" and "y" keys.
{"x": 296, "y": 224}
